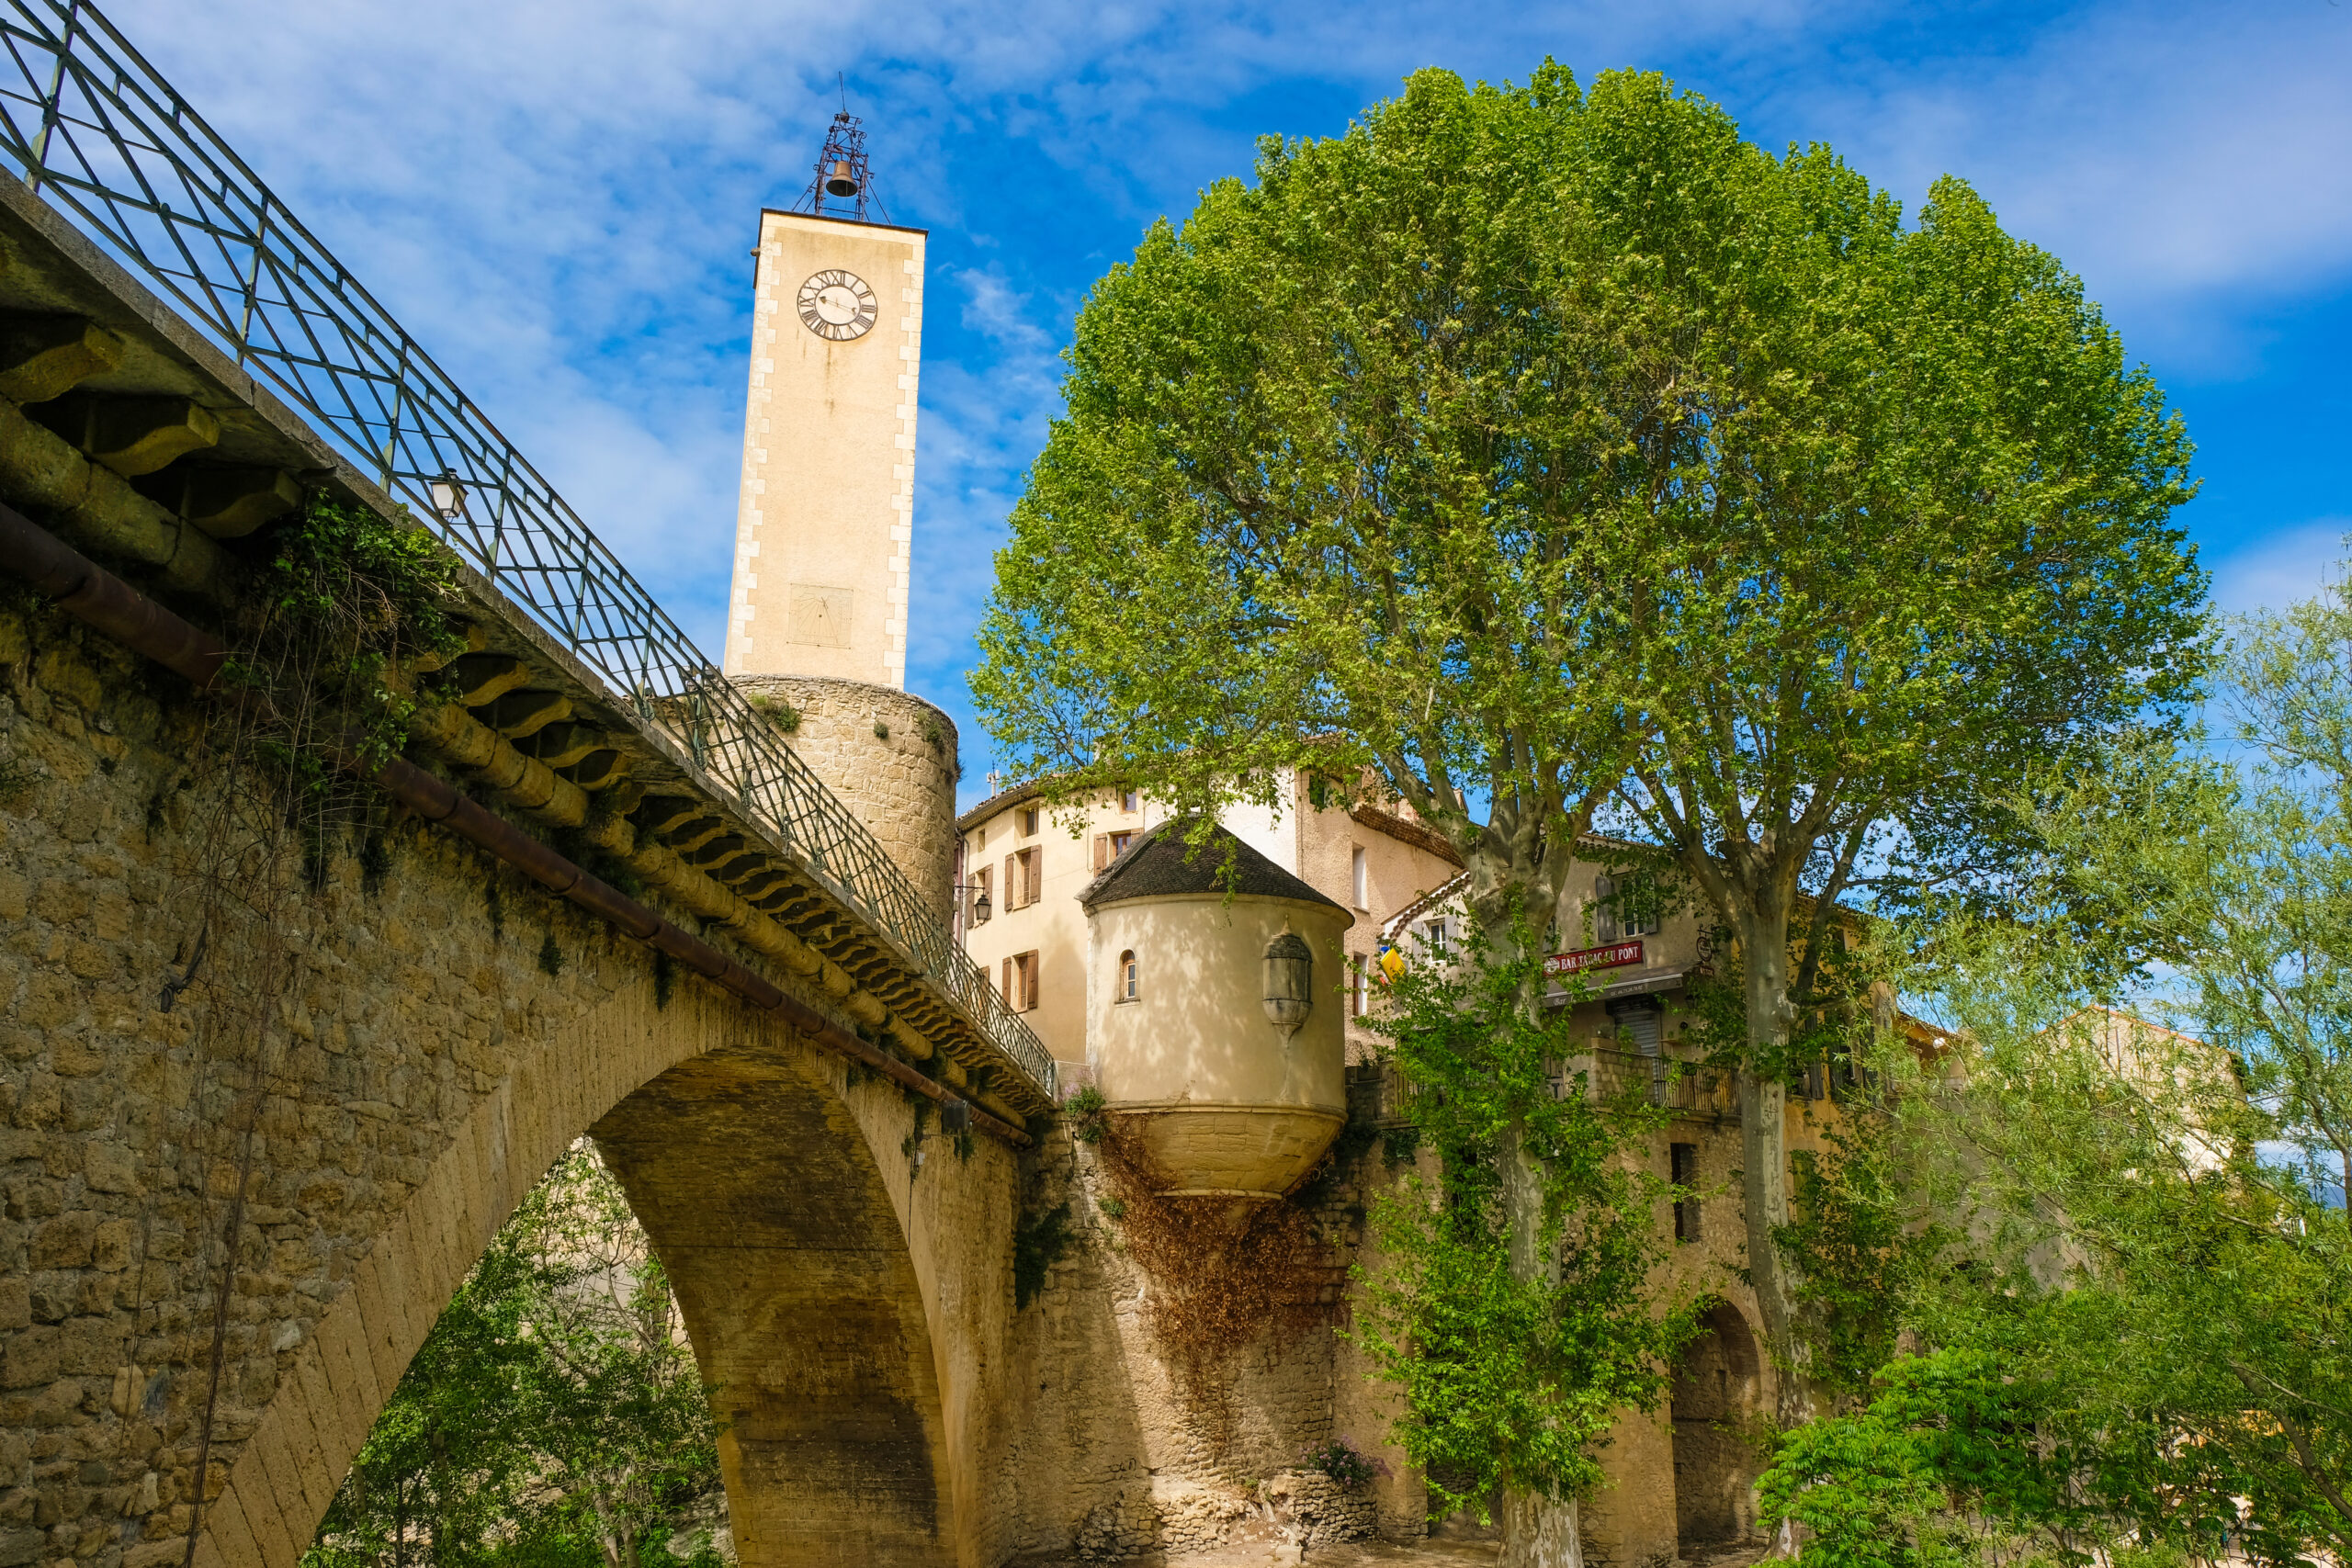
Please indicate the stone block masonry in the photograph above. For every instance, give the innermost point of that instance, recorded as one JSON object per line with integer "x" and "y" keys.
{"x": 885, "y": 1402}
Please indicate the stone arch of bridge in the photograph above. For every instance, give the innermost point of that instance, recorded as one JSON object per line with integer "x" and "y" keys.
{"x": 844, "y": 1305}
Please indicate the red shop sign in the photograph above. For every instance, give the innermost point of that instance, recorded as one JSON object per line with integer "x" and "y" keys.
{"x": 1616, "y": 956}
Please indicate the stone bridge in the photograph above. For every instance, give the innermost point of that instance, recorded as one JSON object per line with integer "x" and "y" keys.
{"x": 220, "y": 1247}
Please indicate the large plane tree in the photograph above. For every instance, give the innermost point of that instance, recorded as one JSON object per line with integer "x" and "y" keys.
{"x": 1539, "y": 452}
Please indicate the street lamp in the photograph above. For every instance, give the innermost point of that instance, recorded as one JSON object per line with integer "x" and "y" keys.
{"x": 449, "y": 497}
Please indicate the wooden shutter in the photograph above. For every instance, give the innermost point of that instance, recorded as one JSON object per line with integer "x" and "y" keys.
{"x": 1101, "y": 850}
{"x": 1604, "y": 913}
{"x": 1007, "y": 989}
{"x": 1012, "y": 881}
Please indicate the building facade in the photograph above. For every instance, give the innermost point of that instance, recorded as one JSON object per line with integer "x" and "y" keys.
{"x": 1032, "y": 879}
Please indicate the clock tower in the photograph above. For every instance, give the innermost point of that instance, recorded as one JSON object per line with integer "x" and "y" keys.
{"x": 824, "y": 525}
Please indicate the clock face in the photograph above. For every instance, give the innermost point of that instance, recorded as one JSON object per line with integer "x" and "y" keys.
{"x": 837, "y": 305}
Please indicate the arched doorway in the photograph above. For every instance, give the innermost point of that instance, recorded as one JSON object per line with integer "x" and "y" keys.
{"x": 1717, "y": 1390}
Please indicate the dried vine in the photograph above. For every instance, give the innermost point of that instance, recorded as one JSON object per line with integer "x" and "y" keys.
{"x": 1221, "y": 1275}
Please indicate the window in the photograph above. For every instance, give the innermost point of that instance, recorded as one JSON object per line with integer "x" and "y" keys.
{"x": 1359, "y": 986}
{"x": 1029, "y": 815}
{"x": 1109, "y": 847}
{"x": 980, "y": 840}
{"x": 1621, "y": 913}
{"x": 1021, "y": 981}
{"x": 1683, "y": 1160}
{"x": 1130, "y": 800}
{"x": 1022, "y": 876}
{"x": 1127, "y": 991}
{"x": 983, "y": 903}
{"x": 1360, "y": 875}
{"x": 1433, "y": 935}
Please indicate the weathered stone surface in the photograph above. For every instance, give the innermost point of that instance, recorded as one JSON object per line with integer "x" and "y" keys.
{"x": 892, "y": 758}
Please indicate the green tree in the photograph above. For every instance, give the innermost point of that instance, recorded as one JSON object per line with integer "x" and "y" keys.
{"x": 2155, "y": 1253}
{"x": 1903, "y": 539}
{"x": 553, "y": 1417}
{"x": 1528, "y": 451}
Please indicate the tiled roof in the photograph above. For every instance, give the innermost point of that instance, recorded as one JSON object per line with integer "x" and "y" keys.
{"x": 1161, "y": 862}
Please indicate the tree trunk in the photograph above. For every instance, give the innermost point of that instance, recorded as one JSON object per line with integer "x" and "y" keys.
{"x": 1764, "y": 1153}
{"x": 1537, "y": 1531}
{"x": 1540, "y": 1533}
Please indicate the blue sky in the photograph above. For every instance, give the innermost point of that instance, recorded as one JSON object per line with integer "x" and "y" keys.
{"x": 557, "y": 196}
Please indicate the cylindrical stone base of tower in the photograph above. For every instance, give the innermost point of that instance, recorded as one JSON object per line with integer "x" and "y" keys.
{"x": 890, "y": 757}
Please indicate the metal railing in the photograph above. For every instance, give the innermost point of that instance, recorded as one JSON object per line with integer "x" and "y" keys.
{"x": 107, "y": 144}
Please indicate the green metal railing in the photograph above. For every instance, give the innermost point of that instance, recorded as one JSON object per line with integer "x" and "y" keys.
{"x": 107, "y": 144}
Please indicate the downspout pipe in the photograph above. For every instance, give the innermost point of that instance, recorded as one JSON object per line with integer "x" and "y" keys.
{"x": 107, "y": 605}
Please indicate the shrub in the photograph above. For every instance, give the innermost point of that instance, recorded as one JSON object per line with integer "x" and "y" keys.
{"x": 1084, "y": 1107}
{"x": 1343, "y": 1462}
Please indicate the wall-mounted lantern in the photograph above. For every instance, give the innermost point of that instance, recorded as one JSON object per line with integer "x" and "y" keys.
{"x": 1290, "y": 980}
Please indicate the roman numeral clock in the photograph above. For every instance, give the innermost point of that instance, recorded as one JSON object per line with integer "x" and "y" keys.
{"x": 837, "y": 305}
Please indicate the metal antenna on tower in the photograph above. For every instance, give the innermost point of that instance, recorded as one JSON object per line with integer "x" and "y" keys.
{"x": 844, "y": 176}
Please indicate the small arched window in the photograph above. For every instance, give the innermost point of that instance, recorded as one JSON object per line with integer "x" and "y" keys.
{"x": 1128, "y": 987}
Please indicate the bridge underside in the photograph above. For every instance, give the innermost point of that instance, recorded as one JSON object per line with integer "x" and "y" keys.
{"x": 772, "y": 1218}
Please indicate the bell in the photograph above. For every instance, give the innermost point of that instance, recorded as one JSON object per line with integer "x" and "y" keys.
{"x": 841, "y": 182}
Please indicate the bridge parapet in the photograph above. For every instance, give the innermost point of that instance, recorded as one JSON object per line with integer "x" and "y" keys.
{"x": 581, "y": 701}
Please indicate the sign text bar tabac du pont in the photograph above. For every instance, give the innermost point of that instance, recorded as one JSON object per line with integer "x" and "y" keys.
{"x": 1616, "y": 956}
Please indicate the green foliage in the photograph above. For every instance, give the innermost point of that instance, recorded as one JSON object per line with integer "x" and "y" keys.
{"x": 1112, "y": 1208}
{"x": 1512, "y": 1367}
{"x": 553, "y": 1417}
{"x": 1556, "y": 449}
{"x": 778, "y": 712}
{"x": 2147, "y": 1241}
{"x": 1039, "y": 1243}
{"x": 1342, "y": 1462}
{"x": 881, "y": 730}
{"x": 1084, "y": 1107}
{"x": 344, "y": 593}
{"x": 1931, "y": 1473}
{"x": 1981, "y": 1455}
{"x": 1857, "y": 1248}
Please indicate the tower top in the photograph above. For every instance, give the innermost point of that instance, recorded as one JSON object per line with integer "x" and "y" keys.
{"x": 844, "y": 176}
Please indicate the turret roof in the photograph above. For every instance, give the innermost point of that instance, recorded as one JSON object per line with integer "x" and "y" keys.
{"x": 1159, "y": 863}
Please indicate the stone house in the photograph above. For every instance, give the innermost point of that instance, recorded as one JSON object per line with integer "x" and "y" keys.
{"x": 1037, "y": 885}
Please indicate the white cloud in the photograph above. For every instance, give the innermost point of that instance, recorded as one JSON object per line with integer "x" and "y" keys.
{"x": 2281, "y": 569}
{"x": 2180, "y": 159}
{"x": 556, "y": 194}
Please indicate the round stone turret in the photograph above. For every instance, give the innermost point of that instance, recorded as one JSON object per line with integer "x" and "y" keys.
{"x": 890, "y": 757}
{"x": 1215, "y": 1004}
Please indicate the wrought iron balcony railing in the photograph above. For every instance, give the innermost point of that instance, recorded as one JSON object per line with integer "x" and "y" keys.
{"x": 106, "y": 142}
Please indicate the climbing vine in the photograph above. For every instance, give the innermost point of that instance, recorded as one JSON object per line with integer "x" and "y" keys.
{"x": 1512, "y": 1376}
{"x": 1220, "y": 1275}
{"x": 275, "y": 785}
